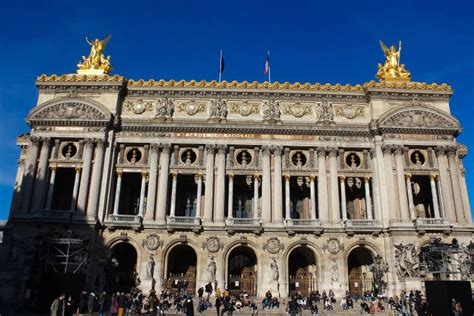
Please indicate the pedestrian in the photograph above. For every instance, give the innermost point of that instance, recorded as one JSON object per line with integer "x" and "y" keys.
{"x": 218, "y": 305}
{"x": 114, "y": 305}
{"x": 189, "y": 306}
{"x": 91, "y": 303}
{"x": 82, "y": 309}
{"x": 69, "y": 306}
{"x": 58, "y": 307}
{"x": 103, "y": 304}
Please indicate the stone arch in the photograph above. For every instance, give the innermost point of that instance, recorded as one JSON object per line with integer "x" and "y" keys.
{"x": 118, "y": 239}
{"x": 228, "y": 251}
{"x": 122, "y": 265}
{"x": 355, "y": 252}
{"x": 317, "y": 257}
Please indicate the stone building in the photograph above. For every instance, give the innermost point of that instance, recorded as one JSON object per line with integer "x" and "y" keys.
{"x": 249, "y": 186}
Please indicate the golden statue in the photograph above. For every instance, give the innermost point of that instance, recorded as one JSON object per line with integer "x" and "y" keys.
{"x": 392, "y": 70}
{"x": 96, "y": 63}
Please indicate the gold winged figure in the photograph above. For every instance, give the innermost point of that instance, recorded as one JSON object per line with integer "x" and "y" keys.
{"x": 392, "y": 70}
{"x": 96, "y": 63}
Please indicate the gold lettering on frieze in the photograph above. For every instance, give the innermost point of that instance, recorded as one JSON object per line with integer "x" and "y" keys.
{"x": 69, "y": 128}
{"x": 245, "y": 136}
{"x": 418, "y": 137}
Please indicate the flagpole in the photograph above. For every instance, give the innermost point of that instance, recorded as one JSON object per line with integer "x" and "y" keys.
{"x": 269, "y": 68}
{"x": 220, "y": 67}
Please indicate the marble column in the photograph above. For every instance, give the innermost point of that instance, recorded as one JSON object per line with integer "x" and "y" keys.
{"x": 411, "y": 205}
{"x": 312, "y": 192}
{"x": 465, "y": 195}
{"x": 92, "y": 206}
{"x": 442, "y": 210}
{"x": 209, "y": 186}
{"x": 41, "y": 182}
{"x": 118, "y": 188}
{"x": 141, "y": 207}
{"x": 434, "y": 195}
{"x": 402, "y": 194}
{"x": 220, "y": 185}
{"x": 255, "y": 196}
{"x": 322, "y": 187}
{"x": 446, "y": 187}
{"x": 230, "y": 200}
{"x": 198, "y": 178}
{"x": 86, "y": 171}
{"x": 75, "y": 190}
{"x": 453, "y": 170}
{"x": 266, "y": 186}
{"x": 277, "y": 214}
{"x": 174, "y": 184}
{"x": 52, "y": 178}
{"x": 393, "y": 206}
{"x": 152, "y": 183}
{"x": 368, "y": 199}
{"x": 334, "y": 215}
{"x": 383, "y": 208}
{"x": 29, "y": 174}
{"x": 163, "y": 183}
{"x": 342, "y": 180}
{"x": 287, "y": 197}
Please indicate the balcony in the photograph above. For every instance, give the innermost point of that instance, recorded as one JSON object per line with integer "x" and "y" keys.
{"x": 353, "y": 226}
{"x": 54, "y": 216}
{"x": 183, "y": 223}
{"x": 423, "y": 225}
{"x": 303, "y": 225}
{"x": 243, "y": 224}
{"x": 128, "y": 221}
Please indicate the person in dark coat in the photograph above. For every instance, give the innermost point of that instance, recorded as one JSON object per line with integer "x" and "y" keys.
{"x": 58, "y": 307}
{"x": 189, "y": 306}
{"x": 83, "y": 303}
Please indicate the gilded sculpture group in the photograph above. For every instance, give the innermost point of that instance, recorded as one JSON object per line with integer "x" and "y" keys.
{"x": 97, "y": 64}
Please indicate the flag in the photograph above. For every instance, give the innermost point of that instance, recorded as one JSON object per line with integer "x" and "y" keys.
{"x": 266, "y": 70}
{"x": 221, "y": 64}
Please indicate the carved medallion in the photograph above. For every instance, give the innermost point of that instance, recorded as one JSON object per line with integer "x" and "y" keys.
{"x": 138, "y": 107}
{"x": 152, "y": 242}
{"x": 349, "y": 111}
{"x": 333, "y": 246}
{"x": 213, "y": 244}
{"x": 273, "y": 246}
{"x": 244, "y": 108}
{"x": 192, "y": 107}
{"x": 297, "y": 109}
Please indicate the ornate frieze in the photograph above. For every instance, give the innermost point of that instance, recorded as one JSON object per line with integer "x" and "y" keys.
{"x": 191, "y": 107}
{"x": 244, "y": 108}
{"x": 218, "y": 109}
{"x": 69, "y": 111}
{"x": 324, "y": 112}
{"x": 164, "y": 109}
{"x": 296, "y": 109}
{"x": 137, "y": 107}
{"x": 349, "y": 111}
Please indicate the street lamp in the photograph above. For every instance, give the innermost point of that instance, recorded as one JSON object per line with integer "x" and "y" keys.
{"x": 379, "y": 268}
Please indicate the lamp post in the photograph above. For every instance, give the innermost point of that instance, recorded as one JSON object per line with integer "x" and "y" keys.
{"x": 379, "y": 268}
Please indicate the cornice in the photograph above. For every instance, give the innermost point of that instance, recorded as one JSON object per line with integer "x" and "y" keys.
{"x": 79, "y": 78}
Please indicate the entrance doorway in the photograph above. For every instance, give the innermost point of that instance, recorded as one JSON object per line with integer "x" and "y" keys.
{"x": 121, "y": 274}
{"x": 360, "y": 277}
{"x": 302, "y": 270}
{"x": 181, "y": 274}
{"x": 242, "y": 271}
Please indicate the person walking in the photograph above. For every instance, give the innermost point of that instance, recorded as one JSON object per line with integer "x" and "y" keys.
{"x": 58, "y": 307}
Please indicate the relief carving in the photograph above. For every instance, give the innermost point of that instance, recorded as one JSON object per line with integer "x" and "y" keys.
{"x": 213, "y": 244}
{"x": 349, "y": 111}
{"x": 164, "y": 109}
{"x": 324, "y": 112}
{"x": 271, "y": 111}
{"x": 70, "y": 111}
{"x": 138, "y": 107}
{"x": 218, "y": 109}
{"x": 244, "y": 108}
{"x": 152, "y": 242}
{"x": 417, "y": 118}
{"x": 273, "y": 245}
{"x": 192, "y": 107}
{"x": 297, "y": 109}
{"x": 406, "y": 261}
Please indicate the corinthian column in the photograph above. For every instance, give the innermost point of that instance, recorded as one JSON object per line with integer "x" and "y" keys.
{"x": 209, "y": 186}
{"x": 75, "y": 190}
{"x": 411, "y": 205}
{"x": 342, "y": 180}
{"x": 287, "y": 197}
{"x": 118, "y": 188}
{"x": 220, "y": 185}
{"x": 255, "y": 196}
{"x": 151, "y": 196}
{"x": 174, "y": 184}
{"x": 453, "y": 170}
{"x": 141, "y": 207}
{"x": 230, "y": 200}
{"x": 334, "y": 214}
{"x": 266, "y": 186}
{"x": 92, "y": 207}
{"x": 312, "y": 193}
{"x": 41, "y": 181}
{"x": 86, "y": 171}
{"x": 402, "y": 194}
{"x": 277, "y": 213}
{"x": 29, "y": 174}
{"x": 322, "y": 187}
{"x": 394, "y": 211}
{"x": 368, "y": 199}
{"x": 49, "y": 200}
{"x": 434, "y": 195}
{"x": 445, "y": 185}
{"x": 163, "y": 183}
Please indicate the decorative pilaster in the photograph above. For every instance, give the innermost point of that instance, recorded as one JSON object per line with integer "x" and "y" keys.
{"x": 255, "y": 195}
{"x": 230, "y": 199}
{"x": 434, "y": 195}
{"x": 52, "y": 178}
{"x": 266, "y": 186}
{"x": 152, "y": 183}
{"x": 85, "y": 178}
{"x": 277, "y": 213}
{"x": 312, "y": 191}
{"x": 198, "y": 178}
{"x": 402, "y": 194}
{"x": 334, "y": 193}
{"x": 453, "y": 170}
{"x": 394, "y": 211}
{"x": 445, "y": 185}
{"x": 322, "y": 187}
{"x": 368, "y": 199}
{"x": 411, "y": 205}
{"x": 141, "y": 207}
{"x": 220, "y": 185}
{"x": 174, "y": 184}
{"x": 163, "y": 183}
{"x": 287, "y": 197}
{"x": 41, "y": 176}
{"x": 118, "y": 188}
{"x": 29, "y": 174}
{"x": 342, "y": 181}
{"x": 92, "y": 207}
{"x": 75, "y": 190}
{"x": 209, "y": 188}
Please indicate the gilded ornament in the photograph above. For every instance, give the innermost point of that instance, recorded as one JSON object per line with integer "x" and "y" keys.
{"x": 297, "y": 109}
{"x": 191, "y": 107}
{"x": 244, "y": 108}
{"x": 392, "y": 70}
{"x": 138, "y": 107}
{"x": 96, "y": 63}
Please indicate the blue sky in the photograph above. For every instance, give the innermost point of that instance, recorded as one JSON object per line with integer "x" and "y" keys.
{"x": 310, "y": 41}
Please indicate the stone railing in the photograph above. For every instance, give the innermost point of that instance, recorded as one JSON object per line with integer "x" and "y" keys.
{"x": 303, "y": 225}
{"x": 54, "y": 215}
{"x": 362, "y": 226}
{"x": 303, "y": 222}
{"x": 243, "y": 224}
{"x": 432, "y": 224}
{"x": 133, "y": 221}
{"x": 183, "y": 223}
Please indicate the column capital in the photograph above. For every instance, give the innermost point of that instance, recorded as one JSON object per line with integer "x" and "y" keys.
{"x": 407, "y": 176}
{"x": 440, "y": 151}
{"x": 342, "y": 178}
{"x": 387, "y": 149}
{"x": 53, "y": 167}
{"x": 433, "y": 177}
{"x": 88, "y": 142}
{"x": 451, "y": 151}
{"x": 398, "y": 150}
{"x": 311, "y": 178}
{"x": 165, "y": 148}
{"x": 221, "y": 149}
{"x": 277, "y": 150}
{"x": 78, "y": 169}
{"x": 266, "y": 150}
{"x": 174, "y": 174}
{"x": 372, "y": 152}
{"x": 256, "y": 176}
{"x": 34, "y": 140}
{"x": 210, "y": 148}
{"x": 46, "y": 141}
{"x": 119, "y": 172}
{"x": 367, "y": 179}
{"x": 231, "y": 176}
{"x": 154, "y": 147}
{"x": 287, "y": 177}
{"x": 144, "y": 173}
{"x": 333, "y": 151}
{"x": 321, "y": 151}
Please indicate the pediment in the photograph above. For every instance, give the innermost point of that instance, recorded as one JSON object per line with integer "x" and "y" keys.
{"x": 420, "y": 118}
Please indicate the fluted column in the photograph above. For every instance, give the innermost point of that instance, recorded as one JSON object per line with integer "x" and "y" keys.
{"x": 209, "y": 189}
{"x": 52, "y": 178}
{"x": 465, "y": 195}
{"x": 29, "y": 174}
{"x": 334, "y": 214}
{"x": 255, "y": 196}
{"x": 458, "y": 203}
{"x": 277, "y": 214}
{"x": 434, "y": 195}
{"x": 41, "y": 183}
{"x": 152, "y": 183}
{"x": 141, "y": 207}
{"x": 394, "y": 211}
{"x": 118, "y": 188}
{"x": 445, "y": 185}
{"x": 342, "y": 181}
{"x": 75, "y": 190}
{"x": 322, "y": 187}
{"x": 442, "y": 210}
{"x": 368, "y": 199}
{"x": 312, "y": 192}
{"x": 92, "y": 207}
{"x": 86, "y": 171}
{"x": 266, "y": 186}
{"x": 163, "y": 183}
{"x": 287, "y": 197}
{"x": 230, "y": 200}
{"x": 174, "y": 184}
{"x": 402, "y": 194}
{"x": 411, "y": 205}
{"x": 198, "y": 178}
{"x": 220, "y": 185}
